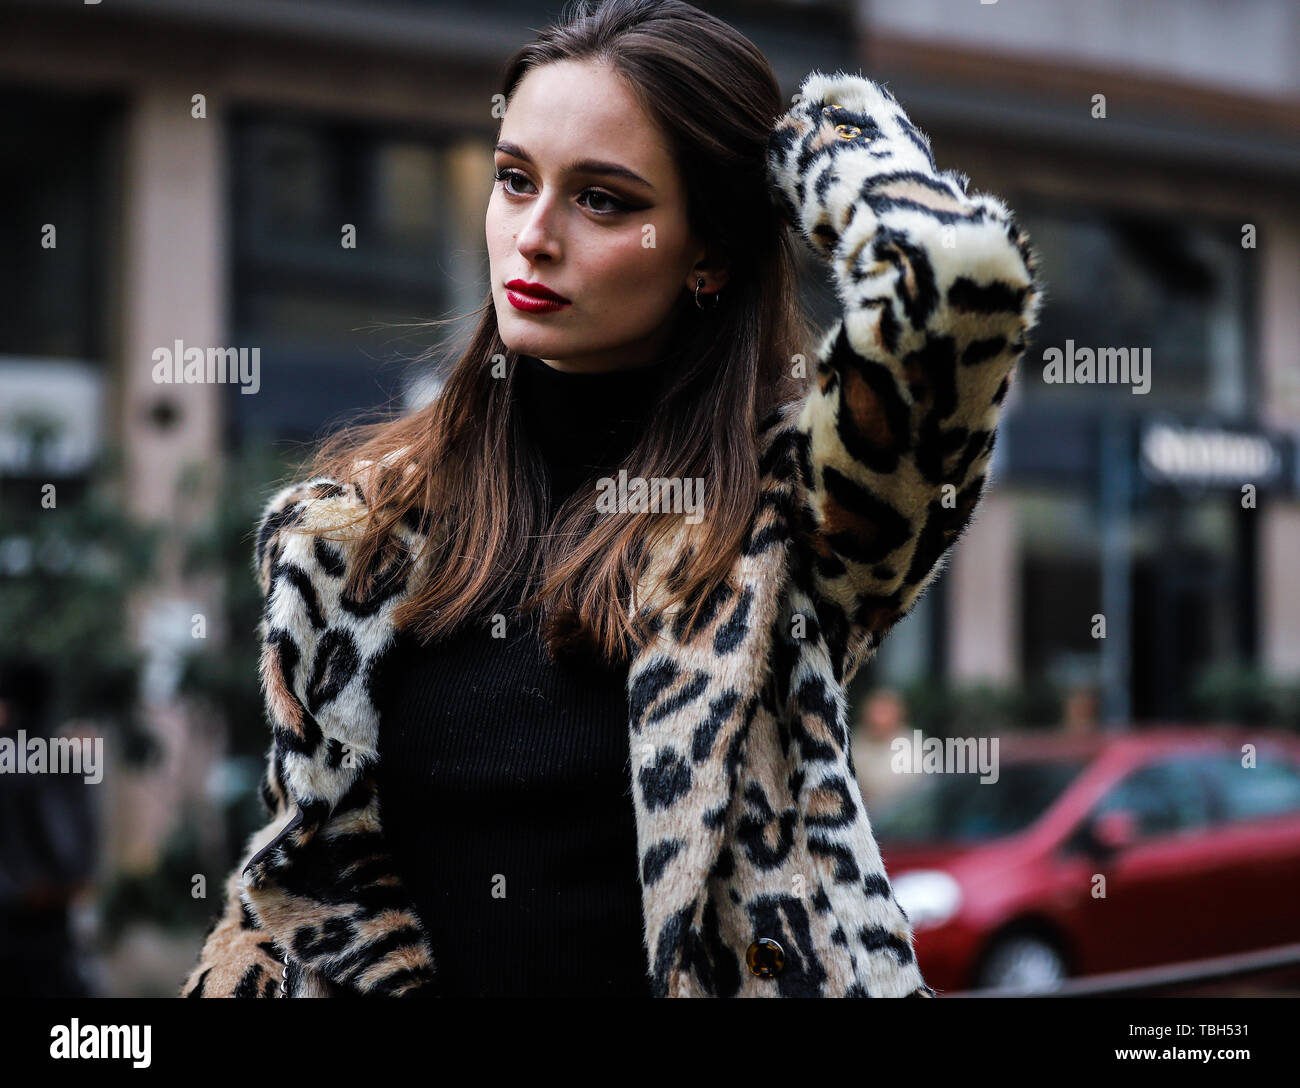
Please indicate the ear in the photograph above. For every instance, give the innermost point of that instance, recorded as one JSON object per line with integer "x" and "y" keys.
{"x": 711, "y": 264}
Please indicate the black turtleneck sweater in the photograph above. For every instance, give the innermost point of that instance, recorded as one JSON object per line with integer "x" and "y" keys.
{"x": 504, "y": 776}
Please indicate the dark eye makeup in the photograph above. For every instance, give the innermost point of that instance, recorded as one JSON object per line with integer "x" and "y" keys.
{"x": 504, "y": 174}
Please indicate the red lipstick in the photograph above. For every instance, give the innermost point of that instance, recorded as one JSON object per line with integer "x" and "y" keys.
{"x": 534, "y": 298}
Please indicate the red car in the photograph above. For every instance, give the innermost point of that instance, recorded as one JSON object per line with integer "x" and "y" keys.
{"x": 1197, "y": 855}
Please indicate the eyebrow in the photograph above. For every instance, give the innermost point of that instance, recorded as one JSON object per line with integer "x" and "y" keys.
{"x": 585, "y": 166}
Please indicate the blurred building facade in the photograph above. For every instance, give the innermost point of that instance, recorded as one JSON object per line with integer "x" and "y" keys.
{"x": 200, "y": 159}
{"x": 1165, "y": 216}
{"x": 183, "y": 172}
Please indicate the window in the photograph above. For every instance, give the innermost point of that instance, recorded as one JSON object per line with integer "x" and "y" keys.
{"x": 1165, "y": 798}
{"x": 327, "y": 316}
{"x": 1060, "y": 575}
{"x": 1128, "y": 278}
{"x": 1271, "y": 788}
{"x": 59, "y": 161}
{"x": 961, "y": 808}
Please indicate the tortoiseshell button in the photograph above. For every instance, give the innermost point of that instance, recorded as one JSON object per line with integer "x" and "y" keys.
{"x": 848, "y": 132}
{"x": 766, "y": 958}
{"x": 833, "y": 106}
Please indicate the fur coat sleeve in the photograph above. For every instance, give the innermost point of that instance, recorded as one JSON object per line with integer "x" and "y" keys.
{"x": 938, "y": 289}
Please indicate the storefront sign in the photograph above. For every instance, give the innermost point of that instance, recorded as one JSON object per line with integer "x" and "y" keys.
{"x": 1212, "y": 456}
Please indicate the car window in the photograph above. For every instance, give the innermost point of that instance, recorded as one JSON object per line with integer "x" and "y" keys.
{"x": 1165, "y": 798}
{"x": 961, "y": 808}
{"x": 1270, "y": 788}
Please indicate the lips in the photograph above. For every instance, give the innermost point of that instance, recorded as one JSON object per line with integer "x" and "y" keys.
{"x": 534, "y": 298}
{"x": 535, "y": 290}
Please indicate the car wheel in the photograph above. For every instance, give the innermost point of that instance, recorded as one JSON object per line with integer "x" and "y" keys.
{"x": 1023, "y": 962}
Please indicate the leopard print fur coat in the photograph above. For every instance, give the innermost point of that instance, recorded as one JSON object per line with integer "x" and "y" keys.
{"x": 760, "y": 874}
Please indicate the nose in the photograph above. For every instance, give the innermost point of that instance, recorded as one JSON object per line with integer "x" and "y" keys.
{"x": 540, "y": 234}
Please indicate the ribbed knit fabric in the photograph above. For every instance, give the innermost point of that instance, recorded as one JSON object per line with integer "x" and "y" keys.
{"x": 504, "y": 776}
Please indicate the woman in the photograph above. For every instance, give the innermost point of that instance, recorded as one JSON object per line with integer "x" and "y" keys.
{"x": 637, "y": 545}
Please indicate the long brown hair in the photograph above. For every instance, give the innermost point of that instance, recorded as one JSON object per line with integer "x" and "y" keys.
{"x": 464, "y": 462}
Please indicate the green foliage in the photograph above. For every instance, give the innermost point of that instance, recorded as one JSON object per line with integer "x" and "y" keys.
{"x": 72, "y": 557}
{"x": 1231, "y": 691}
{"x": 225, "y": 676}
{"x": 161, "y": 894}
{"x": 68, "y": 572}
{"x": 943, "y": 710}
{"x": 221, "y": 674}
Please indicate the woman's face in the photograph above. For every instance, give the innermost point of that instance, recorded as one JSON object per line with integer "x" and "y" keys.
{"x": 617, "y": 249}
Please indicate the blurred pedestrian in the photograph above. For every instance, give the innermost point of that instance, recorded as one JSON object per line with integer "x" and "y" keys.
{"x": 48, "y": 844}
{"x": 883, "y": 719}
{"x": 1080, "y": 714}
